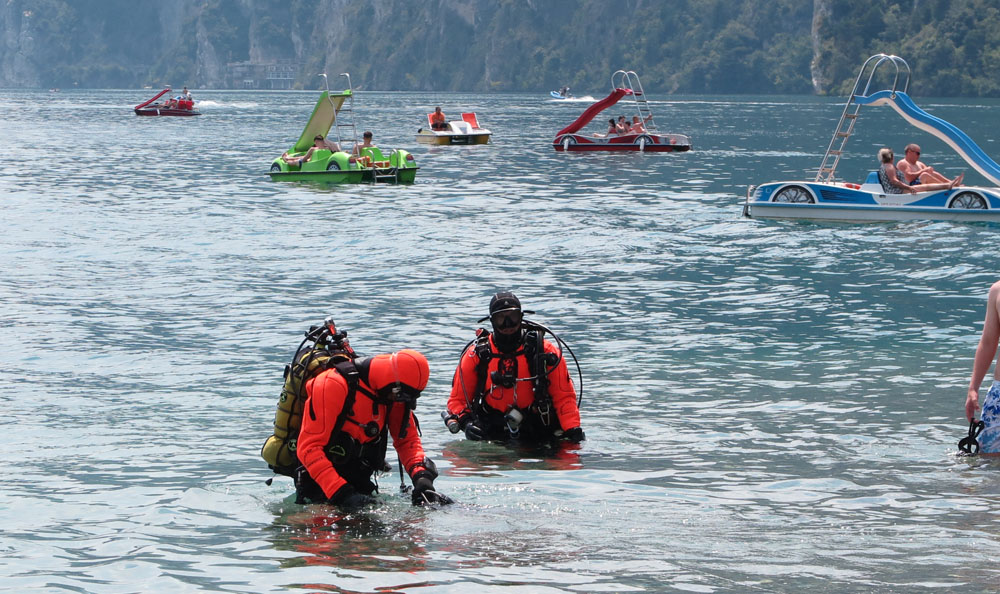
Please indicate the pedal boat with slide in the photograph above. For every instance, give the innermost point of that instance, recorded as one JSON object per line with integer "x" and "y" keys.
{"x": 370, "y": 165}
{"x": 464, "y": 131}
{"x": 170, "y": 107}
{"x": 828, "y": 199}
{"x": 623, "y": 84}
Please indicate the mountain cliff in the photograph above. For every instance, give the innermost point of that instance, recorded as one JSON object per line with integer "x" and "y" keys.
{"x": 680, "y": 46}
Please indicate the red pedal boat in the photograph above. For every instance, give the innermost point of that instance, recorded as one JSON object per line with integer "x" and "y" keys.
{"x": 177, "y": 106}
{"x": 645, "y": 139}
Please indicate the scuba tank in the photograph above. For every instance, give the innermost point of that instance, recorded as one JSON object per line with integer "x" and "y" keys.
{"x": 322, "y": 348}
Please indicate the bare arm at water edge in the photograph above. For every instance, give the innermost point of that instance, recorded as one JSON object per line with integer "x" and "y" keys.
{"x": 985, "y": 351}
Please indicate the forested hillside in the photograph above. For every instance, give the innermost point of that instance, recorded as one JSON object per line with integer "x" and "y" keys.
{"x": 678, "y": 46}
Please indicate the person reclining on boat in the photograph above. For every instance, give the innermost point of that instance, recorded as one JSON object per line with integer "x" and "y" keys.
{"x": 612, "y": 129}
{"x": 318, "y": 143}
{"x": 332, "y": 145}
{"x": 637, "y": 126}
{"x": 366, "y": 144}
{"x": 438, "y": 121}
{"x": 892, "y": 184}
{"x": 914, "y": 171}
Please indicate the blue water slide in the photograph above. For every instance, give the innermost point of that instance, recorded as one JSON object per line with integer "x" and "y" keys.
{"x": 952, "y": 136}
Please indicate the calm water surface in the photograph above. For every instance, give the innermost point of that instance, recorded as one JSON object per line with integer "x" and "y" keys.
{"x": 769, "y": 406}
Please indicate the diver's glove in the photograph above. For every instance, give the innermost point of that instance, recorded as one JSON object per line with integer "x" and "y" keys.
{"x": 423, "y": 491}
{"x": 474, "y": 432}
{"x": 348, "y": 497}
{"x": 574, "y": 435}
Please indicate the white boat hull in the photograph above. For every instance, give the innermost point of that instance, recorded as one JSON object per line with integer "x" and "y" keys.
{"x": 852, "y": 202}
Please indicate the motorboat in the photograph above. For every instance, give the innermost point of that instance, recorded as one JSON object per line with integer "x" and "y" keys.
{"x": 464, "y": 131}
{"x": 331, "y": 164}
{"x": 177, "y": 106}
{"x": 826, "y": 198}
{"x": 558, "y": 95}
{"x": 623, "y": 84}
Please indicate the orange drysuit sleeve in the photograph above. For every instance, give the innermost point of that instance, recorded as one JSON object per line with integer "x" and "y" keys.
{"x": 562, "y": 392}
{"x": 463, "y": 385}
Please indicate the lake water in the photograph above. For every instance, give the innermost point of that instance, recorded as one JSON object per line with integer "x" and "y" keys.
{"x": 769, "y": 406}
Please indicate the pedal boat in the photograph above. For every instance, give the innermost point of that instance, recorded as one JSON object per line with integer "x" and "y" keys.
{"x": 177, "y": 107}
{"x": 324, "y": 165}
{"x": 651, "y": 141}
{"x": 827, "y": 199}
{"x": 464, "y": 131}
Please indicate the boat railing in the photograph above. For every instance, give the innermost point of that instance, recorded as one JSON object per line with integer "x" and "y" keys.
{"x": 628, "y": 79}
{"x": 863, "y": 86}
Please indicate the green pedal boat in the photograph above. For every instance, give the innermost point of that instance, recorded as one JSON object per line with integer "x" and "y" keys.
{"x": 316, "y": 157}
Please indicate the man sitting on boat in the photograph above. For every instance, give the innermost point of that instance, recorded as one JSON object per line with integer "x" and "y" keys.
{"x": 438, "y": 121}
{"x": 914, "y": 171}
{"x": 637, "y": 126}
{"x": 367, "y": 136}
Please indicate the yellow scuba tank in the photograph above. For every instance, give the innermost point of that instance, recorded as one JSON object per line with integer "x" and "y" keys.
{"x": 329, "y": 348}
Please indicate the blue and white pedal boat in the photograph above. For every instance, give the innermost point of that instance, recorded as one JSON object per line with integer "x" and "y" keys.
{"x": 826, "y": 198}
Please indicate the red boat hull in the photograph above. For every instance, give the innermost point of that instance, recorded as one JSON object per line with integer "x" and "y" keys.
{"x": 649, "y": 143}
{"x": 153, "y": 111}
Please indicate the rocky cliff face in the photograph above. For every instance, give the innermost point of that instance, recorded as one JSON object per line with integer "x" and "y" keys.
{"x": 440, "y": 45}
{"x": 194, "y": 40}
{"x": 17, "y": 47}
{"x": 822, "y": 12}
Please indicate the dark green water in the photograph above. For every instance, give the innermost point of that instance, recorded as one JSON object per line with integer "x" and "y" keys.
{"x": 769, "y": 406}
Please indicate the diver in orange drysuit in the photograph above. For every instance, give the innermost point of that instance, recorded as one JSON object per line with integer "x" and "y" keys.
{"x": 496, "y": 393}
{"x": 340, "y": 451}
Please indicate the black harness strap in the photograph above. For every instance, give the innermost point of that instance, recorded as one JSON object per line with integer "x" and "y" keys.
{"x": 534, "y": 350}
{"x": 485, "y": 354}
{"x": 349, "y": 371}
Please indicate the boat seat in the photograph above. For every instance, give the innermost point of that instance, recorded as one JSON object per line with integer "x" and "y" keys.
{"x": 373, "y": 153}
{"x": 319, "y": 156}
{"x": 873, "y": 184}
{"x": 471, "y": 119}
